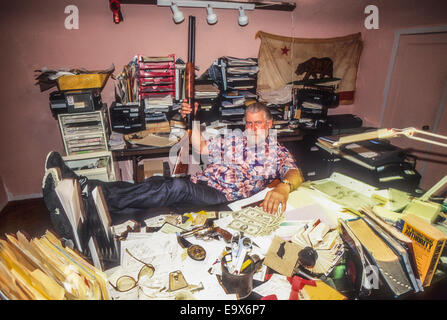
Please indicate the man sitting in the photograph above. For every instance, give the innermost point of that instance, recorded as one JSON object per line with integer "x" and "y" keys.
{"x": 239, "y": 165}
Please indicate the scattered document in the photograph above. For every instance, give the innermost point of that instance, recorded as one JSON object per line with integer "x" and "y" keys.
{"x": 278, "y": 285}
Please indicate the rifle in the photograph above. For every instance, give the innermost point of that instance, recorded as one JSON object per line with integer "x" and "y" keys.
{"x": 182, "y": 168}
{"x": 189, "y": 72}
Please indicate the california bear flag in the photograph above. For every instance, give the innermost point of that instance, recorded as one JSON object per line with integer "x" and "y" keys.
{"x": 286, "y": 62}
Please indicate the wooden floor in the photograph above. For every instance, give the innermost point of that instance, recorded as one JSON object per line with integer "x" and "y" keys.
{"x": 30, "y": 216}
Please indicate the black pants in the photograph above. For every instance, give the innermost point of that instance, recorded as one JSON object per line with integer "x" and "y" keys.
{"x": 129, "y": 198}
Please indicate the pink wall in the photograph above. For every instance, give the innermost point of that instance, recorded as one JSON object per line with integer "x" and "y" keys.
{"x": 374, "y": 63}
{"x": 33, "y": 36}
{"x": 3, "y": 195}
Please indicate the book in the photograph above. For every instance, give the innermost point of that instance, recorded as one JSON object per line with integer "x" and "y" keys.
{"x": 320, "y": 291}
{"x": 398, "y": 250}
{"x": 402, "y": 239}
{"x": 362, "y": 263}
{"x": 384, "y": 257}
{"x": 428, "y": 243}
{"x": 168, "y": 58}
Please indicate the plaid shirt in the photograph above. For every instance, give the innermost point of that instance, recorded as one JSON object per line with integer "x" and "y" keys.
{"x": 239, "y": 170}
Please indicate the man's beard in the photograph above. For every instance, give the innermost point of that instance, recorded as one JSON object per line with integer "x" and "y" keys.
{"x": 256, "y": 137}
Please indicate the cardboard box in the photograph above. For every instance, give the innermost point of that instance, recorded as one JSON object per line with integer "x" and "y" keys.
{"x": 153, "y": 167}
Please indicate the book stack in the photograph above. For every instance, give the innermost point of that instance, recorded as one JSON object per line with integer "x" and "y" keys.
{"x": 239, "y": 78}
{"x": 239, "y": 74}
{"x": 44, "y": 269}
{"x": 156, "y": 110}
{"x": 233, "y": 106}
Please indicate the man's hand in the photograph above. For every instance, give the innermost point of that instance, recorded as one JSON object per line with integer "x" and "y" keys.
{"x": 280, "y": 194}
{"x": 186, "y": 108}
{"x": 274, "y": 197}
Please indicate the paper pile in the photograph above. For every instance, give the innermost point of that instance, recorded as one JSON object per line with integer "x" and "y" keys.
{"x": 326, "y": 243}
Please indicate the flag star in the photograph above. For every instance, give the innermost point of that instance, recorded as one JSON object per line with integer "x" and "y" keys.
{"x": 285, "y": 50}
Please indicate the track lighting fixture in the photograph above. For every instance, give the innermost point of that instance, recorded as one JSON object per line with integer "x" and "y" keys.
{"x": 177, "y": 14}
{"x": 243, "y": 19}
{"x": 211, "y": 17}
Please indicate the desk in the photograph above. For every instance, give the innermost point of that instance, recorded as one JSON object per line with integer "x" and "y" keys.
{"x": 136, "y": 153}
{"x": 343, "y": 283}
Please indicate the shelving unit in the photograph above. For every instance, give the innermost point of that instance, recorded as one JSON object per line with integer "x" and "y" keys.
{"x": 83, "y": 132}
{"x": 85, "y": 137}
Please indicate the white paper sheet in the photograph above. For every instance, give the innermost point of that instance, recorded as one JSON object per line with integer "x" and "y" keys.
{"x": 278, "y": 284}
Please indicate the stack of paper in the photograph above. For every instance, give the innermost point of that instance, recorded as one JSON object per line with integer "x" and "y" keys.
{"x": 155, "y": 104}
{"x": 326, "y": 242}
{"x": 205, "y": 91}
{"x": 43, "y": 269}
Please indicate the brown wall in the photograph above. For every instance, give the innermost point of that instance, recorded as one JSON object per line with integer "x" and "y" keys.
{"x": 3, "y": 195}
{"x": 33, "y": 35}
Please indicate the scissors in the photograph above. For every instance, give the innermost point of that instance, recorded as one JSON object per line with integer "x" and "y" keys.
{"x": 240, "y": 245}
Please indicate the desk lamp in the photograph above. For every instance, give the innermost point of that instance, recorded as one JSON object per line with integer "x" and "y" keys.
{"x": 391, "y": 133}
{"x": 421, "y": 206}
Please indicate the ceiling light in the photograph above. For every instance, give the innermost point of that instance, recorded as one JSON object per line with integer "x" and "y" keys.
{"x": 243, "y": 19}
{"x": 177, "y": 14}
{"x": 211, "y": 18}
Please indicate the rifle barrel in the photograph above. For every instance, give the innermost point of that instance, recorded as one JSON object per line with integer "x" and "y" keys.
{"x": 191, "y": 39}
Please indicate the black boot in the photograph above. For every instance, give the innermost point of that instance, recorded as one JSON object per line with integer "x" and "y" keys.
{"x": 54, "y": 160}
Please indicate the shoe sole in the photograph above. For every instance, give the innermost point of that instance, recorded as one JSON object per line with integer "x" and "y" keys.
{"x": 65, "y": 171}
{"x": 55, "y": 174}
{"x": 61, "y": 223}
